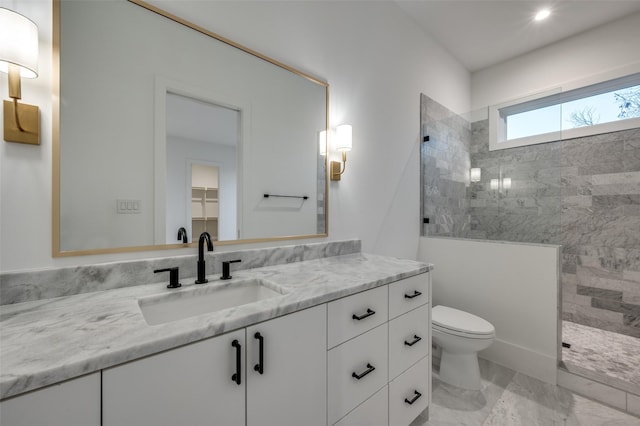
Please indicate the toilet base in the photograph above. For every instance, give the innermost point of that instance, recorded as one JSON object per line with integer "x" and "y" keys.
{"x": 460, "y": 370}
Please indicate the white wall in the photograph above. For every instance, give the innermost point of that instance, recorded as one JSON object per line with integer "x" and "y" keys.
{"x": 513, "y": 286}
{"x": 377, "y": 62}
{"x": 606, "y": 50}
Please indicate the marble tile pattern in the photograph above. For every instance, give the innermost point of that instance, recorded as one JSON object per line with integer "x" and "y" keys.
{"x": 510, "y": 398}
{"x": 605, "y": 353}
{"x": 16, "y": 287}
{"x": 50, "y": 340}
{"x": 528, "y": 211}
{"x": 583, "y": 193}
{"x": 321, "y": 190}
{"x": 444, "y": 170}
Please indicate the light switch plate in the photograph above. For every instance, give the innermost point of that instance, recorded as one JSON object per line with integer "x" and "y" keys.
{"x": 128, "y": 206}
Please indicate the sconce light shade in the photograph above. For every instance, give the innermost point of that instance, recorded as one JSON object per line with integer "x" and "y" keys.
{"x": 322, "y": 142}
{"x": 344, "y": 137}
{"x": 475, "y": 174}
{"x": 344, "y": 143}
{"x": 19, "y": 58}
{"x": 506, "y": 183}
{"x": 18, "y": 43}
{"x": 494, "y": 184}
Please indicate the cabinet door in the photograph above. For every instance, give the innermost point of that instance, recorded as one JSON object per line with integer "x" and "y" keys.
{"x": 191, "y": 385}
{"x": 357, "y": 314}
{"x": 291, "y": 390}
{"x": 408, "y": 294}
{"x": 408, "y": 340}
{"x": 409, "y": 394}
{"x": 76, "y": 402}
{"x": 357, "y": 370}
{"x": 373, "y": 412}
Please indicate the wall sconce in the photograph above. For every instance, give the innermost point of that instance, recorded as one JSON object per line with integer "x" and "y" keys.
{"x": 502, "y": 184}
{"x": 506, "y": 183}
{"x": 19, "y": 58}
{"x": 344, "y": 143}
{"x": 322, "y": 142}
{"x": 475, "y": 174}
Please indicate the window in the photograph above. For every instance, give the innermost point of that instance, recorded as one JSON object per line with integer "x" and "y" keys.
{"x": 598, "y": 108}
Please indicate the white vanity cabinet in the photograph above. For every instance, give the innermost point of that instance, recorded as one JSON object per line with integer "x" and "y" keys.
{"x": 378, "y": 355}
{"x": 198, "y": 384}
{"x": 189, "y": 385}
{"x": 291, "y": 390}
{"x": 74, "y": 402}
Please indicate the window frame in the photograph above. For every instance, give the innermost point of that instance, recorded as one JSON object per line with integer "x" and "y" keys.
{"x": 628, "y": 77}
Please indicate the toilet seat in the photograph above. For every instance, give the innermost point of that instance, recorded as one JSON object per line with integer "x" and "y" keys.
{"x": 460, "y": 323}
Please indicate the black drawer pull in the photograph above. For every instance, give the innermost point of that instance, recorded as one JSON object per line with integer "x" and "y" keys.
{"x": 414, "y": 399}
{"x": 416, "y": 340}
{"x": 369, "y": 369}
{"x": 259, "y": 367}
{"x": 363, "y": 316}
{"x": 416, "y": 293}
{"x": 237, "y": 375}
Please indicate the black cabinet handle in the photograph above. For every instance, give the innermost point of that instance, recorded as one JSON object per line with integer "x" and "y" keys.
{"x": 369, "y": 369}
{"x": 416, "y": 340}
{"x": 237, "y": 376}
{"x": 416, "y": 293}
{"x": 259, "y": 367}
{"x": 363, "y": 316}
{"x": 414, "y": 399}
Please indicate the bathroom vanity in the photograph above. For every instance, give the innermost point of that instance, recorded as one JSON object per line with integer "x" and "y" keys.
{"x": 345, "y": 340}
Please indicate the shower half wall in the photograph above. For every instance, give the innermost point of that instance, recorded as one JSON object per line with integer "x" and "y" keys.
{"x": 583, "y": 194}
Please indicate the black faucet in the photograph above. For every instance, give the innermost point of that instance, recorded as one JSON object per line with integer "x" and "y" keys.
{"x": 173, "y": 276}
{"x": 203, "y": 237}
{"x": 182, "y": 235}
{"x": 226, "y": 269}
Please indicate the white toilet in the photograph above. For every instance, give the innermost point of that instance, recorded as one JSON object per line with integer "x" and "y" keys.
{"x": 460, "y": 335}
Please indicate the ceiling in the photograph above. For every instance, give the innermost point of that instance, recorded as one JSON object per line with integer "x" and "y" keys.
{"x": 481, "y": 33}
{"x": 201, "y": 121}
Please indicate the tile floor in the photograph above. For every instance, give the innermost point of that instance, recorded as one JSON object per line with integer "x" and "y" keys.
{"x": 513, "y": 399}
{"x": 603, "y": 352}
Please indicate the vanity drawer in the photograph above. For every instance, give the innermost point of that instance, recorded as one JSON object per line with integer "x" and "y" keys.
{"x": 373, "y": 412}
{"x": 354, "y": 315}
{"x": 408, "y": 294}
{"x": 408, "y": 340}
{"x": 366, "y": 357}
{"x": 409, "y": 394}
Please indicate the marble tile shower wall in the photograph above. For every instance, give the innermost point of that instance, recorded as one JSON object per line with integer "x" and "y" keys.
{"x": 321, "y": 190}
{"x": 528, "y": 210}
{"x": 583, "y": 193}
{"x": 445, "y": 170}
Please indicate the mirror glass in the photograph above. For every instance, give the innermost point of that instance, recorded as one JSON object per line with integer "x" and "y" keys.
{"x": 149, "y": 107}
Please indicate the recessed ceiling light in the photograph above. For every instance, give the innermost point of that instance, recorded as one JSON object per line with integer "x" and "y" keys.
{"x": 542, "y": 15}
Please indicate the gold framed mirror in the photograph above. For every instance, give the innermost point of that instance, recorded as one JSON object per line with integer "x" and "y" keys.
{"x": 141, "y": 107}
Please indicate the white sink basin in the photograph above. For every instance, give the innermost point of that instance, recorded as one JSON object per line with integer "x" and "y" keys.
{"x": 205, "y": 299}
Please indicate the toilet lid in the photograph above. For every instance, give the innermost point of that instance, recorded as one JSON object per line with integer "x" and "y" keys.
{"x": 460, "y": 321}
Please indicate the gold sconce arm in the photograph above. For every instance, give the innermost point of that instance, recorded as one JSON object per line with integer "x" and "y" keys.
{"x": 338, "y": 168}
{"x": 15, "y": 92}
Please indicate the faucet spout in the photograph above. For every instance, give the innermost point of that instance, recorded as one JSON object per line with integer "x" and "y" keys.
{"x": 182, "y": 235}
{"x": 204, "y": 238}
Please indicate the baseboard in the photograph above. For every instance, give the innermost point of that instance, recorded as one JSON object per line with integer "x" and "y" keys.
{"x": 523, "y": 360}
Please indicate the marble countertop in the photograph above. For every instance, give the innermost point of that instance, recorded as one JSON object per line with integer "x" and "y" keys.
{"x": 47, "y": 341}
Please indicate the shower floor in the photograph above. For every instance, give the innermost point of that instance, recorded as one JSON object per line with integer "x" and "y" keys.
{"x": 602, "y": 352}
